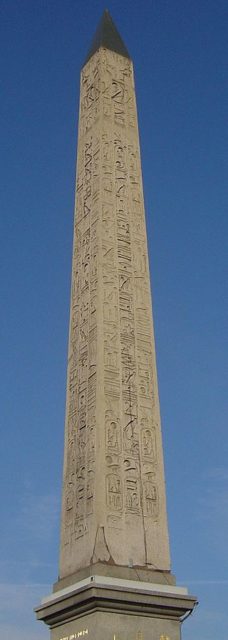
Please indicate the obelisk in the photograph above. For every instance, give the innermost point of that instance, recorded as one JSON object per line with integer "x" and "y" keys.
{"x": 114, "y": 555}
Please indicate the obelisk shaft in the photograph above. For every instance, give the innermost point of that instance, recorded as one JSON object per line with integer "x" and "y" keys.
{"x": 114, "y": 506}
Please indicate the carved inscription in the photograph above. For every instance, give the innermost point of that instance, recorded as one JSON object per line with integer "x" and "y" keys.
{"x": 112, "y": 405}
{"x": 80, "y": 446}
{"x": 130, "y": 432}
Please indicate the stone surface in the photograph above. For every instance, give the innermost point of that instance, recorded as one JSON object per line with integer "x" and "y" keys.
{"x": 116, "y": 571}
{"x": 115, "y": 609}
{"x": 114, "y": 503}
{"x": 118, "y": 626}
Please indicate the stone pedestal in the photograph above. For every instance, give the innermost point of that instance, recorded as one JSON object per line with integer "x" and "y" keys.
{"x": 104, "y": 608}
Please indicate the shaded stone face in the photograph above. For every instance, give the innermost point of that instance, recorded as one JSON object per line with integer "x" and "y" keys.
{"x": 108, "y": 626}
{"x": 114, "y": 507}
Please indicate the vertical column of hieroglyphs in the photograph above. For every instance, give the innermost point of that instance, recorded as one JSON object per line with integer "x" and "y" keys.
{"x": 135, "y": 491}
{"x": 78, "y": 526}
{"x": 118, "y": 334}
{"x": 153, "y": 495}
{"x": 114, "y": 507}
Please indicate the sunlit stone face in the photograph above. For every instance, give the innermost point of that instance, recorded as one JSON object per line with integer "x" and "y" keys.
{"x": 114, "y": 507}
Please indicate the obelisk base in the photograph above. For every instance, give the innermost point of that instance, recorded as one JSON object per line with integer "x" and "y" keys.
{"x": 102, "y": 608}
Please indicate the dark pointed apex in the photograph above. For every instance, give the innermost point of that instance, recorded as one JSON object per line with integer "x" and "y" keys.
{"x": 107, "y": 36}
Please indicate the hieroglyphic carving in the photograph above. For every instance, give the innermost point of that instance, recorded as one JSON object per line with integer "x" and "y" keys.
{"x": 81, "y": 392}
{"x": 90, "y": 92}
{"x": 112, "y": 389}
{"x": 148, "y": 441}
{"x": 112, "y": 432}
{"x": 114, "y": 492}
{"x": 151, "y": 507}
{"x": 112, "y": 377}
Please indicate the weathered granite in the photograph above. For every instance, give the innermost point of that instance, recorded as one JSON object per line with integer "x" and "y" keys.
{"x": 114, "y": 503}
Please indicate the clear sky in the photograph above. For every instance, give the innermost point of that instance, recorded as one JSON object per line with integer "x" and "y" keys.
{"x": 179, "y": 49}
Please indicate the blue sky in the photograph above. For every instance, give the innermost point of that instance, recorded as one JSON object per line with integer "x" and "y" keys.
{"x": 179, "y": 49}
